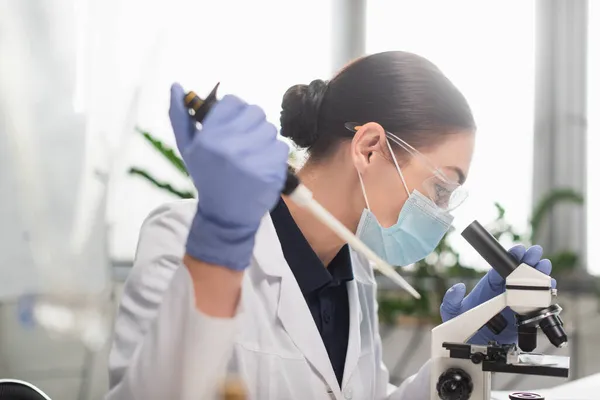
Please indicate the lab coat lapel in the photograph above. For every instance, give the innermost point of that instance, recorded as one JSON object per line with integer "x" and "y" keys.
{"x": 354, "y": 341}
{"x": 292, "y": 310}
{"x": 299, "y": 324}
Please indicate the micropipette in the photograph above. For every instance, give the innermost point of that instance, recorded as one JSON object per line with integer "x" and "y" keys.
{"x": 302, "y": 196}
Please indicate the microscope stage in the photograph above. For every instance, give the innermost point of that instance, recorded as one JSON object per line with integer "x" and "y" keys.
{"x": 508, "y": 359}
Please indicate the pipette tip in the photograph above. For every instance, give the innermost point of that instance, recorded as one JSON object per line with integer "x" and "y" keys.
{"x": 388, "y": 271}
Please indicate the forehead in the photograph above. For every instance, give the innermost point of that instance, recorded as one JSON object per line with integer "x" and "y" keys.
{"x": 454, "y": 152}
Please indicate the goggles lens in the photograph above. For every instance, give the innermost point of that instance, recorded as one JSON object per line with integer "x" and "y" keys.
{"x": 444, "y": 194}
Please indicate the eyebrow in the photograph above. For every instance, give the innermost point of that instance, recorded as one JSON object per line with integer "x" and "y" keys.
{"x": 459, "y": 172}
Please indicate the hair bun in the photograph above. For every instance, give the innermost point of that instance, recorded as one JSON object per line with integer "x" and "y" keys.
{"x": 300, "y": 112}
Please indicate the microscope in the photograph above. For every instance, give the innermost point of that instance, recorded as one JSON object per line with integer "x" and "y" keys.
{"x": 462, "y": 371}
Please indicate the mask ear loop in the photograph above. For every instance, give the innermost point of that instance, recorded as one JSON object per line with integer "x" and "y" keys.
{"x": 362, "y": 186}
{"x": 397, "y": 167}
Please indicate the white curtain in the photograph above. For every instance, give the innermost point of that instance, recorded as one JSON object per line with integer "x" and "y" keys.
{"x": 70, "y": 77}
{"x": 41, "y": 141}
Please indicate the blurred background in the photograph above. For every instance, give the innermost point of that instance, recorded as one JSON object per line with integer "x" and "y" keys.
{"x": 85, "y": 151}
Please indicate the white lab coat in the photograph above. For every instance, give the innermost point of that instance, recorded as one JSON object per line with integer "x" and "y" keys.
{"x": 164, "y": 348}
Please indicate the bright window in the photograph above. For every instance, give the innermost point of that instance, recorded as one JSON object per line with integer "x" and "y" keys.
{"x": 256, "y": 49}
{"x": 488, "y": 52}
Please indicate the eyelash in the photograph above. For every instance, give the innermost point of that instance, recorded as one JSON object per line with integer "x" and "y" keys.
{"x": 440, "y": 189}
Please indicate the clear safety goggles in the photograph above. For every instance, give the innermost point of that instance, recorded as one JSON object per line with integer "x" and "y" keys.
{"x": 444, "y": 192}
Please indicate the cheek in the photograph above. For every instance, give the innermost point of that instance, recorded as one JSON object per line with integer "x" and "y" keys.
{"x": 386, "y": 200}
{"x": 394, "y": 195}
{"x": 415, "y": 177}
{"x": 391, "y": 211}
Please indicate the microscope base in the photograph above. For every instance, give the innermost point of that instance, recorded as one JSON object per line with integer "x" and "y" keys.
{"x": 468, "y": 368}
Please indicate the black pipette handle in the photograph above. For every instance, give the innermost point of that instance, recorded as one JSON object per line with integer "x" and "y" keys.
{"x": 201, "y": 107}
{"x": 489, "y": 248}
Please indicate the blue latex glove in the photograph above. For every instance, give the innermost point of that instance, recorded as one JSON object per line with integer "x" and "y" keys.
{"x": 239, "y": 168}
{"x": 491, "y": 285}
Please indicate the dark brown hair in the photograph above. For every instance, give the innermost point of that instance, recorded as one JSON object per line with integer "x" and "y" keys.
{"x": 405, "y": 93}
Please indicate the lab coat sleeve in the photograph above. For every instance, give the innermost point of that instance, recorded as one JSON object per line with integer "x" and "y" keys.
{"x": 415, "y": 387}
{"x": 163, "y": 347}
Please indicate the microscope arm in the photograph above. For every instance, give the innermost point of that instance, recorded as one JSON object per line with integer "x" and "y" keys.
{"x": 460, "y": 328}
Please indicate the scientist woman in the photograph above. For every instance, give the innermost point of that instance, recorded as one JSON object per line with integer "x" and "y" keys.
{"x": 243, "y": 280}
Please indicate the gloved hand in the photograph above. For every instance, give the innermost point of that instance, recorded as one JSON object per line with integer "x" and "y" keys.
{"x": 239, "y": 168}
{"x": 491, "y": 285}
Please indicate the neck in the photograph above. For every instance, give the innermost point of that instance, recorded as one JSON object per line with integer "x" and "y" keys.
{"x": 333, "y": 191}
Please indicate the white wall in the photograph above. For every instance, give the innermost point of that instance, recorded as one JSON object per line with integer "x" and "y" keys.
{"x": 487, "y": 50}
{"x": 256, "y": 53}
{"x": 593, "y": 146}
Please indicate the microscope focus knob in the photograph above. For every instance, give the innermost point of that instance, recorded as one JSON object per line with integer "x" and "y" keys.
{"x": 454, "y": 384}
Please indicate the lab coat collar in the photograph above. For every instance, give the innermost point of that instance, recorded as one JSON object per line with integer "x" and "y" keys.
{"x": 296, "y": 317}
{"x": 267, "y": 249}
{"x": 354, "y": 344}
{"x": 266, "y": 237}
{"x": 306, "y": 266}
{"x": 291, "y": 309}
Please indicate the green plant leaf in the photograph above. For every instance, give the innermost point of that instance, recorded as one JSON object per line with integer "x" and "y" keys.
{"x": 460, "y": 271}
{"x": 563, "y": 262}
{"x": 161, "y": 185}
{"x": 548, "y": 202}
{"x": 390, "y": 308}
{"x": 165, "y": 150}
{"x": 501, "y": 211}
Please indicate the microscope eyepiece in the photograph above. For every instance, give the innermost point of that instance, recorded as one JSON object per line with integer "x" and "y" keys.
{"x": 489, "y": 248}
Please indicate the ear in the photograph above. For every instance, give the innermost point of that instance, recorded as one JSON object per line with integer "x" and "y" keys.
{"x": 368, "y": 141}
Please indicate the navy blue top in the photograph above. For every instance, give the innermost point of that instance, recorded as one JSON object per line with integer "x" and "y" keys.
{"x": 324, "y": 289}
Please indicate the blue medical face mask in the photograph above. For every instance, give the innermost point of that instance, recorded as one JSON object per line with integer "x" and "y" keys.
{"x": 420, "y": 227}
